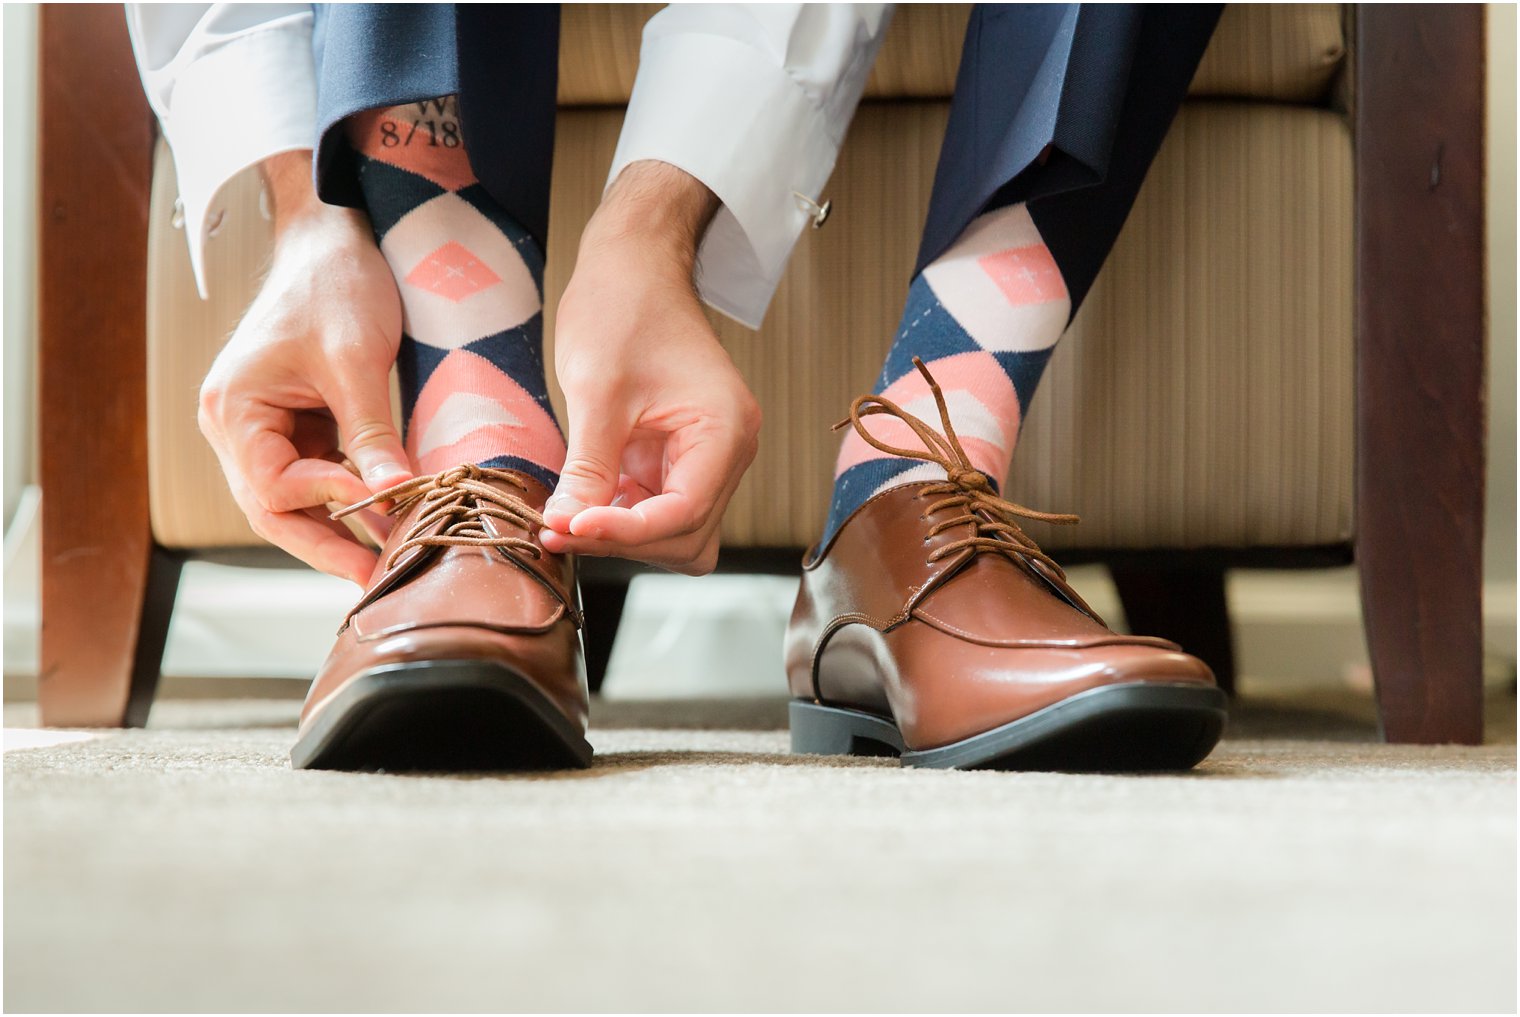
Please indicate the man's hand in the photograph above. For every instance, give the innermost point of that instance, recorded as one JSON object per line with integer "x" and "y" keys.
{"x": 307, "y": 373}
{"x": 661, "y": 424}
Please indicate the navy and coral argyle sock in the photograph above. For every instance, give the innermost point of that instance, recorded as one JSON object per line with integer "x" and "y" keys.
{"x": 984, "y": 317}
{"x": 471, "y": 362}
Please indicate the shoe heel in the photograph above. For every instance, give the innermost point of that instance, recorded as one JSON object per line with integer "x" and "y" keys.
{"x": 830, "y": 731}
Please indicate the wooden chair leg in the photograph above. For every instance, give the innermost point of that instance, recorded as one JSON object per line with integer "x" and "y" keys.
{"x": 104, "y": 588}
{"x": 602, "y": 601}
{"x": 1185, "y": 605}
{"x": 109, "y": 697}
{"x": 1420, "y": 364}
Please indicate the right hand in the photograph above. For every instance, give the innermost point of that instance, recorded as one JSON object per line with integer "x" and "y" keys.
{"x": 662, "y": 426}
{"x": 305, "y": 381}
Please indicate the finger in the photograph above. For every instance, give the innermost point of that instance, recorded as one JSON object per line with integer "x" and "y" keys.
{"x": 362, "y": 408}
{"x": 314, "y": 541}
{"x": 692, "y": 490}
{"x": 282, "y": 481}
{"x": 680, "y": 554}
{"x": 322, "y": 543}
{"x": 630, "y": 492}
{"x": 693, "y": 555}
{"x": 375, "y": 525}
{"x": 591, "y": 472}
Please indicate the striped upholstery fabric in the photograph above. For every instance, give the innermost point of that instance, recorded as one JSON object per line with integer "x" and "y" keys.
{"x": 1283, "y": 52}
{"x": 1203, "y": 398}
{"x": 189, "y": 503}
{"x": 1204, "y": 394}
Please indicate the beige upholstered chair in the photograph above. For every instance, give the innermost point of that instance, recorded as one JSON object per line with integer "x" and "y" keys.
{"x": 1202, "y": 413}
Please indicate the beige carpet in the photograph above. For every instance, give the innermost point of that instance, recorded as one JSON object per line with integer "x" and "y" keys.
{"x": 698, "y": 866}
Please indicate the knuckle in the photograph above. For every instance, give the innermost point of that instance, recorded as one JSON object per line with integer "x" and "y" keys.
{"x": 702, "y": 565}
{"x": 750, "y": 415}
{"x": 206, "y": 421}
{"x": 269, "y": 501}
{"x": 577, "y": 373}
{"x": 213, "y": 396}
{"x": 699, "y": 560}
{"x": 257, "y": 525}
{"x": 744, "y": 455}
{"x": 352, "y": 346}
{"x": 589, "y": 466}
{"x": 277, "y": 501}
{"x": 369, "y": 431}
{"x": 698, "y": 517}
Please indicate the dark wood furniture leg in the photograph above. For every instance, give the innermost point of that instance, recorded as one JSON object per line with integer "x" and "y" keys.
{"x": 1420, "y": 364}
{"x": 105, "y": 591}
{"x": 1185, "y": 605}
{"x": 602, "y": 601}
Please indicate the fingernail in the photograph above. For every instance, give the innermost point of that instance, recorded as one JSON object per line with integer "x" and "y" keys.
{"x": 387, "y": 474}
{"x": 562, "y": 504}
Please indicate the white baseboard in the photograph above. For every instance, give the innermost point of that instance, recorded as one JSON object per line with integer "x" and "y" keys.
{"x": 719, "y": 635}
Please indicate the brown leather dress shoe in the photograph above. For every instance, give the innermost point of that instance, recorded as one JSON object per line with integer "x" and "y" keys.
{"x": 464, "y": 652}
{"x": 934, "y": 628}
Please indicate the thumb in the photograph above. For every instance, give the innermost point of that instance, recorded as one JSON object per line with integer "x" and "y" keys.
{"x": 369, "y": 435}
{"x": 590, "y": 474}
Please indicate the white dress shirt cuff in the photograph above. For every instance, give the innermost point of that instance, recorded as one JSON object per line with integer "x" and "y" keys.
{"x": 222, "y": 121}
{"x": 739, "y": 123}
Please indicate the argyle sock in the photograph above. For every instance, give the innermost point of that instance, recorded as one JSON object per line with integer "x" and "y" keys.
{"x": 984, "y": 317}
{"x": 471, "y": 362}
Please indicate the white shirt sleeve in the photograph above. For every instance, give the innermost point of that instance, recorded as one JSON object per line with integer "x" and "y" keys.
{"x": 232, "y": 84}
{"x": 753, "y": 100}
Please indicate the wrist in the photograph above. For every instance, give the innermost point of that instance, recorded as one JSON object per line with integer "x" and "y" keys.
{"x": 659, "y": 209}
{"x": 297, "y": 210}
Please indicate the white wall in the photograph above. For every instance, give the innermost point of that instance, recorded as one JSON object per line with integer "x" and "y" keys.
{"x": 1499, "y": 562}
{"x": 18, "y": 222}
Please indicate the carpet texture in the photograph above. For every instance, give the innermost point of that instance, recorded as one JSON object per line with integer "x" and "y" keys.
{"x": 698, "y": 866}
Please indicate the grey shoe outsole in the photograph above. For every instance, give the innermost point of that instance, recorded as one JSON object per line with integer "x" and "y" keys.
{"x": 1139, "y": 726}
{"x": 440, "y": 716}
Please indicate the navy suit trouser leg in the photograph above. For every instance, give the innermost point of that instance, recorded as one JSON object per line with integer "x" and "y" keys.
{"x": 1062, "y": 106}
{"x": 502, "y": 60}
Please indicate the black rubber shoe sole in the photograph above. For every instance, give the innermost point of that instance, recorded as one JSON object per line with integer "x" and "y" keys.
{"x": 1116, "y": 728}
{"x": 441, "y": 716}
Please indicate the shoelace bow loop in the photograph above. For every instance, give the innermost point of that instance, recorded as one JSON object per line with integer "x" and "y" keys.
{"x": 965, "y": 486}
{"x": 461, "y": 499}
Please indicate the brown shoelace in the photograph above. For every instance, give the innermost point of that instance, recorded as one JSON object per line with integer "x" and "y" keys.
{"x": 966, "y": 487}
{"x": 461, "y": 499}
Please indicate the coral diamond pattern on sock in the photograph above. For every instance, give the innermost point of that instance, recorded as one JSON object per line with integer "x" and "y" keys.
{"x": 984, "y": 317}
{"x": 1026, "y": 275}
{"x": 452, "y": 272}
{"x": 471, "y": 364}
{"x": 468, "y": 411}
